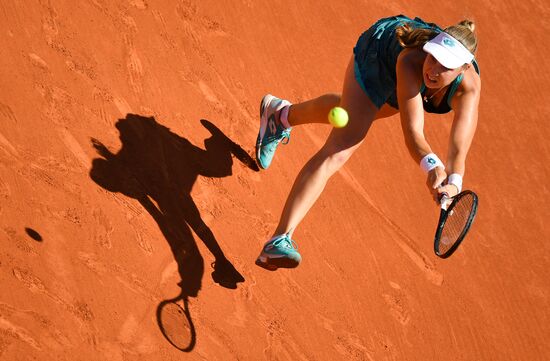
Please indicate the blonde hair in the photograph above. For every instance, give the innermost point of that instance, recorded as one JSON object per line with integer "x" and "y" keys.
{"x": 464, "y": 32}
{"x": 409, "y": 37}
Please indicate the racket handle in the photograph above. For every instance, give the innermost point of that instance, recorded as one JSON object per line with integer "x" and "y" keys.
{"x": 444, "y": 198}
{"x": 443, "y": 201}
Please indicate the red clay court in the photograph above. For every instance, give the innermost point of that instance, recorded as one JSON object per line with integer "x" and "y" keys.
{"x": 126, "y": 135}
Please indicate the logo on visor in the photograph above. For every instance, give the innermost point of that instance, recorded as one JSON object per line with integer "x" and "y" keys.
{"x": 448, "y": 42}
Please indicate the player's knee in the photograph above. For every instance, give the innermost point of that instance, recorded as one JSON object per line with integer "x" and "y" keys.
{"x": 336, "y": 158}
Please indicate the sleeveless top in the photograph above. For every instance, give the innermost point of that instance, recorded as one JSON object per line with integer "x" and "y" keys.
{"x": 376, "y": 55}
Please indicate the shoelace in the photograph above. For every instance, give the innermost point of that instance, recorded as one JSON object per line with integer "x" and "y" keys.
{"x": 284, "y": 138}
{"x": 287, "y": 242}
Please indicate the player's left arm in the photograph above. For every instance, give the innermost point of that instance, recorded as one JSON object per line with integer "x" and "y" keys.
{"x": 465, "y": 104}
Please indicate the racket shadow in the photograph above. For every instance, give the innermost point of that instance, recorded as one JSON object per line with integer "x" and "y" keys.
{"x": 176, "y": 324}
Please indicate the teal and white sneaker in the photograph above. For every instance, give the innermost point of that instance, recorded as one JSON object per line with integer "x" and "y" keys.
{"x": 279, "y": 252}
{"x": 272, "y": 132}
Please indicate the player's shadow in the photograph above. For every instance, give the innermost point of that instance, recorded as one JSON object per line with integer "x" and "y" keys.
{"x": 158, "y": 168}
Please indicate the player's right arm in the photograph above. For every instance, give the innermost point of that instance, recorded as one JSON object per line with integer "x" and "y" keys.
{"x": 409, "y": 81}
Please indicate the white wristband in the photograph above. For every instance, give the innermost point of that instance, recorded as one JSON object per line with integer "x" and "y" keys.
{"x": 430, "y": 161}
{"x": 456, "y": 180}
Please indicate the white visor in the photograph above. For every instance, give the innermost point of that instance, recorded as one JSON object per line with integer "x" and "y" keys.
{"x": 448, "y": 51}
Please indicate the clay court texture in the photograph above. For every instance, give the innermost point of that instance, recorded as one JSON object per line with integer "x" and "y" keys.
{"x": 127, "y": 132}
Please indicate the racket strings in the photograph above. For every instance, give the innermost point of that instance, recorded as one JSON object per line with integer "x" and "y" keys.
{"x": 456, "y": 222}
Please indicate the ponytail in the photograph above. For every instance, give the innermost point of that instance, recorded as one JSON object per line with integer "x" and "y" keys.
{"x": 409, "y": 37}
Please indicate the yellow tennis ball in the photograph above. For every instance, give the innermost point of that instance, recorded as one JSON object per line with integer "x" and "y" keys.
{"x": 338, "y": 117}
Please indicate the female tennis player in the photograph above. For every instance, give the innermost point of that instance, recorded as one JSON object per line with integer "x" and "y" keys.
{"x": 399, "y": 65}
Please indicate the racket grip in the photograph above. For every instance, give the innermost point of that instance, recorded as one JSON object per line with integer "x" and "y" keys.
{"x": 444, "y": 198}
{"x": 443, "y": 201}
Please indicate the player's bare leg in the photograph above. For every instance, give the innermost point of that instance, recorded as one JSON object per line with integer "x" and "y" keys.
{"x": 339, "y": 146}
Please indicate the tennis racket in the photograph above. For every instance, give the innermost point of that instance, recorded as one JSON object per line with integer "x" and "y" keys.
{"x": 454, "y": 222}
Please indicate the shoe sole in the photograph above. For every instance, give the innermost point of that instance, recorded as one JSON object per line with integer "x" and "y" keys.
{"x": 272, "y": 264}
{"x": 266, "y": 100}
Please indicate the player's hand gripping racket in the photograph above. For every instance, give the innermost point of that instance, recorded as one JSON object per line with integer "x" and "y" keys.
{"x": 454, "y": 222}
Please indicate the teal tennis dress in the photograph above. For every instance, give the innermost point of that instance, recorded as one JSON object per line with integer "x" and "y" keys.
{"x": 376, "y": 55}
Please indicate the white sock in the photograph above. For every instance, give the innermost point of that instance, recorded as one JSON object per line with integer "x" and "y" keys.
{"x": 283, "y": 116}
{"x": 279, "y": 235}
